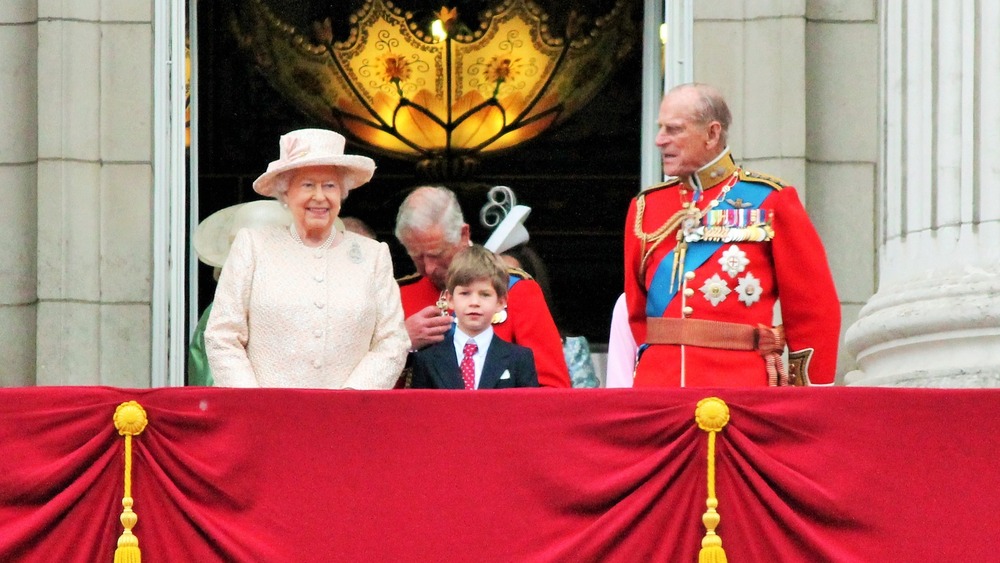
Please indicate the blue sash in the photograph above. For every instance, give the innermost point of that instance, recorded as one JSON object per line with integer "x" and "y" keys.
{"x": 659, "y": 293}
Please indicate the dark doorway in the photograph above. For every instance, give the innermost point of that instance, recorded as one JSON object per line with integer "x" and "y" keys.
{"x": 577, "y": 178}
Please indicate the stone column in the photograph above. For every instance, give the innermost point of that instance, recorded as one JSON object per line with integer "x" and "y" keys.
{"x": 935, "y": 319}
{"x": 18, "y": 171}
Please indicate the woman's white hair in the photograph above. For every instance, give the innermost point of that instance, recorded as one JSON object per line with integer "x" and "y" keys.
{"x": 429, "y": 206}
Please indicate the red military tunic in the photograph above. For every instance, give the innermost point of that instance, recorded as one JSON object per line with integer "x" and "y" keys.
{"x": 735, "y": 279}
{"x": 528, "y": 323}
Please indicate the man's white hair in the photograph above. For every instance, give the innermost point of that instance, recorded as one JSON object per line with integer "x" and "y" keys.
{"x": 430, "y": 206}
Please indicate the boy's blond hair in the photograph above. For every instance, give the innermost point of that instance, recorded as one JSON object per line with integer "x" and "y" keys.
{"x": 475, "y": 263}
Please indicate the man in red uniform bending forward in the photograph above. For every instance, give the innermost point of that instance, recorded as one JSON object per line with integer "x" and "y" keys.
{"x": 431, "y": 227}
{"x": 707, "y": 255}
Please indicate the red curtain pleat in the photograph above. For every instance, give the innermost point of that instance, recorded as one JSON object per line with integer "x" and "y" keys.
{"x": 831, "y": 474}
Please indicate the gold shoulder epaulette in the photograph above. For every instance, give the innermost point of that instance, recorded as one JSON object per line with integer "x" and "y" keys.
{"x": 759, "y": 178}
{"x": 407, "y": 280}
{"x": 660, "y": 186}
{"x": 519, "y": 273}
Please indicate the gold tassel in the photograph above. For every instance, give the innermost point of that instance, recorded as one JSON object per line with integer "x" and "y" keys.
{"x": 711, "y": 415}
{"x": 130, "y": 420}
{"x": 677, "y": 271}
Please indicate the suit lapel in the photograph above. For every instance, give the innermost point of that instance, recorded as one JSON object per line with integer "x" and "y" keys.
{"x": 449, "y": 373}
{"x": 496, "y": 359}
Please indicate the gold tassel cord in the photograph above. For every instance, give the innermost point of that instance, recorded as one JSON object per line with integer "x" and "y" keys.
{"x": 130, "y": 420}
{"x": 711, "y": 414}
{"x": 655, "y": 237}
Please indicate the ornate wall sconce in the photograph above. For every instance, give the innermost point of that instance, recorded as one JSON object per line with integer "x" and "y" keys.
{"x": 433, "y": 89}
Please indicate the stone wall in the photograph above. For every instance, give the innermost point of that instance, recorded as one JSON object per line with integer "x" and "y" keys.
{"x": 77, "y": 172}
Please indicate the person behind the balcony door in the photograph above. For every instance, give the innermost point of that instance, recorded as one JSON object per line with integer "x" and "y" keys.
{"x": 431, "y": 227}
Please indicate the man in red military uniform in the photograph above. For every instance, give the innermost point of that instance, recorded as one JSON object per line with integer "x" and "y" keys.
{"x": 431, "y": 227}
{"x": 707, "y": 255}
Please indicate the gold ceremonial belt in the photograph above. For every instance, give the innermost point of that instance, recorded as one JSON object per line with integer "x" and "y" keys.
{"x": 715, "y": 334}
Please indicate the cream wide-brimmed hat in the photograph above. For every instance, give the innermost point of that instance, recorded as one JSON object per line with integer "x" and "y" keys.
{"x": 214, "y": 235}
{"x": 315, "y": 147}
{"x": 510, "y": 232}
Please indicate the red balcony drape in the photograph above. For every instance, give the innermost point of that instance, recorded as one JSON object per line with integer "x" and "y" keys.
{"x": 834, "y": 474}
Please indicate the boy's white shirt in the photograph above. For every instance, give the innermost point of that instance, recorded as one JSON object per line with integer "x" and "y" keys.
{"x": 483, "y": 341}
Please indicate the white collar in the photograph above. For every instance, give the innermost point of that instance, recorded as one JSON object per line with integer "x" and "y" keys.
{"x": 482, "y": 340}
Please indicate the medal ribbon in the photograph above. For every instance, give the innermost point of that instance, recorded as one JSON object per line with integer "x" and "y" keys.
{"x": 659, "y": 294}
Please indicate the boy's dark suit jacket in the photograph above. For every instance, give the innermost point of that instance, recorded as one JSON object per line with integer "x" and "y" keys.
{"x": 507, "y": 365}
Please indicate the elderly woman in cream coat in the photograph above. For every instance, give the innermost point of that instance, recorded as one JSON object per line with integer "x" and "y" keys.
{"x": 308, "y": 305}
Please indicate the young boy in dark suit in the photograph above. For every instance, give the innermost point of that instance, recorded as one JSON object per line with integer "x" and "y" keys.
{"x": 471, "y": 356}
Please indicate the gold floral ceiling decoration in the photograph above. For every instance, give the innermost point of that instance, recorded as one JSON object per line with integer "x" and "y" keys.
{"x": 431, "y": 88}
